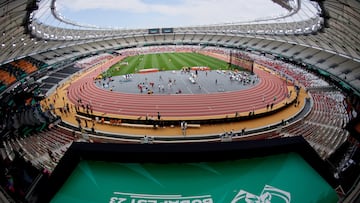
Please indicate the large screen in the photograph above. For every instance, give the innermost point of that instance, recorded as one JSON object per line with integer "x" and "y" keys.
{"x": 281, "y": 178}
{"x": 154, "y": 31}
{"x": 167, "y": 30}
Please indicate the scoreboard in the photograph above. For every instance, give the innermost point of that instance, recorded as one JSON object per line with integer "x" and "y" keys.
{"x": 167, "y": 30}
{"x": 162, "y": 30}
{"x": 154, "y": 31}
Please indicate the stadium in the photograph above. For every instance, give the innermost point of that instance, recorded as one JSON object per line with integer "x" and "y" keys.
{"x": 263, "y": 110}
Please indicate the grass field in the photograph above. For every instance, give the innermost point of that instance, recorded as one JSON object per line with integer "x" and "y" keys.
{"x": 166, "y": 61}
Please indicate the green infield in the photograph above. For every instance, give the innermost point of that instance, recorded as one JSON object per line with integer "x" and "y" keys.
{"x": 283, "y": 178}
{"x": 167, "y": 61}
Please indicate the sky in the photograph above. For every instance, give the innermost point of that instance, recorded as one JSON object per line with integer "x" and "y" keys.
{"x": 165, "y": 13}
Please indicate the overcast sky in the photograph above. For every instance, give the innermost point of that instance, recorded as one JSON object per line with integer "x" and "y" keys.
{"x": 165, "y": 13}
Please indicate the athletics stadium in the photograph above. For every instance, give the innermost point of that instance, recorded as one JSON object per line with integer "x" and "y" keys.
{"x": 257, "y": 110}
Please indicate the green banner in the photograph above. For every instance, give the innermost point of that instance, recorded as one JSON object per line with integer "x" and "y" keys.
{"x": 281, "y": 178}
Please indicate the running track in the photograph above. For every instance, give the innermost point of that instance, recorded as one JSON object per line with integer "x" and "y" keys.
{"x": 178, "y": 105}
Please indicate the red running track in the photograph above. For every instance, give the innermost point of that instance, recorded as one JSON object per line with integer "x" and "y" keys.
{"x": 179, "y": 105}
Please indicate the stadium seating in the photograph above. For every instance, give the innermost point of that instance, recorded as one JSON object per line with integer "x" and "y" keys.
{"x": 7, "y": 78}
{"x": 323, "y": 128}
{"x": 36, "y": 146}
{"x": 332, "y": 48}
{"x": 25, "y": 66}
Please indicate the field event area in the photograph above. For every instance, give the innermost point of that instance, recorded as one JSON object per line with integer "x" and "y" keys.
{"x": 191, "y": 73}
{"x": 166, "y": 61}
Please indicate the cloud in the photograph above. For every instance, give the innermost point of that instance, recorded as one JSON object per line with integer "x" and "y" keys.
{"x": 185, "y": 12}
{"x": 177, "y": 7}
